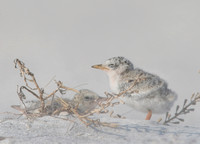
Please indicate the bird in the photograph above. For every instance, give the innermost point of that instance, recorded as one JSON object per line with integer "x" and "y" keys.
{"x": 144, "y": 92}
{"x": 85, "y": 101}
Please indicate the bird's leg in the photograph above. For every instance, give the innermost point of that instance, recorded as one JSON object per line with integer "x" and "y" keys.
{"x": 148, "y": 117}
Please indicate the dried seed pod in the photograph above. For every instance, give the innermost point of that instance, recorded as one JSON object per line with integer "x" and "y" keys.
{"x": 192, "y": 96}
{"x": 159, "y": 120}
{"x": 185, "y": 101}
{"x": 175, "y": 122}
{"x": 177, "y": 107}
{"x": 193, "y": 102}
{"x": 191, "y": 109}
{"x": 166, "y": 116}
{"x": 111, "y": 113}
{"x": 169, "y": 115}
{"x": 180, "y": 119}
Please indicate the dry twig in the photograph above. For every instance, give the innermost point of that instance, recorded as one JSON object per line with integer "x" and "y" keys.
{"x": 186, "y": 108}
{"x": 25, "y": 73}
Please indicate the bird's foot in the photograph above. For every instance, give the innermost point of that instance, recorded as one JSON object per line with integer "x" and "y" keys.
{"x": 149, "y": 114}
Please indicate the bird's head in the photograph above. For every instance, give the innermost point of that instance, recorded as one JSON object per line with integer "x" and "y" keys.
{"x": 118, "y": 65}
{"x": 87, "y": 100}
{"x": 86, "y": 95}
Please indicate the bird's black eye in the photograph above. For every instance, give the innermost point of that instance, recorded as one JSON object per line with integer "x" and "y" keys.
{"x": 130, "y": 81}
{"x": 87, "y": 97}
{"x": 111, "y": 65}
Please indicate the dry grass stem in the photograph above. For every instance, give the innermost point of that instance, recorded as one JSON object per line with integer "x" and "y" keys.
{"x": 185, "y": 109}
{"x": 25, "y": 72}
{"x": 38, "y": 92}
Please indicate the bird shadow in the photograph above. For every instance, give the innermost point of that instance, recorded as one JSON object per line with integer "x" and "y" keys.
{"x": 123, "y": 130}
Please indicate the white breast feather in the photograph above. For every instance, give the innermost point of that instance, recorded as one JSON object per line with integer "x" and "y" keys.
{"x": 113, "y": 79}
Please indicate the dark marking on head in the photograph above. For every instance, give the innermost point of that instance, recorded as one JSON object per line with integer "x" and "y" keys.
{"x": 115, "y": 62}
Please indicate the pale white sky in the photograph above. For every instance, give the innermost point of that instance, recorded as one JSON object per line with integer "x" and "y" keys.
{"x": 65, "y": 37}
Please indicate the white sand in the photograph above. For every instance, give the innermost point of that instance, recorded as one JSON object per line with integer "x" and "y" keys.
{"x": 53, "y": 130}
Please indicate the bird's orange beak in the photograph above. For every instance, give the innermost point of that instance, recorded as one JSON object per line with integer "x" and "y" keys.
{"x": 101, "y": 67}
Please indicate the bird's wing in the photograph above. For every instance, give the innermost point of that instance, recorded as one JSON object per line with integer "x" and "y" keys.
{"x": 142, "y": 83}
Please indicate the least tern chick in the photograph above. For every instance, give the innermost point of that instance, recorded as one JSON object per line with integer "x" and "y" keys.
{"x": 85, "y": 101}
{"x": 149, "y": 94}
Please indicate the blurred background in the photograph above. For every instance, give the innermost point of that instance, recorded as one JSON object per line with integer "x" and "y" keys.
{"x": 64, "y": 38}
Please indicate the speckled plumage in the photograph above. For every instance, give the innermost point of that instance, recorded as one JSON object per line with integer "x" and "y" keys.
{"x": 86, "y": 101}
{"x": 150, "y": 93}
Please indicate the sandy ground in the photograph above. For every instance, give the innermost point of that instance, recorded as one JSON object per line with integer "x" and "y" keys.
{"x": 15, "y": 130}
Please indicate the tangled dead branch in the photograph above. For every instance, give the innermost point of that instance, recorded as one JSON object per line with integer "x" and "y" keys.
{"x": 29, "y": 77}
{"x": 185, "y": 109}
